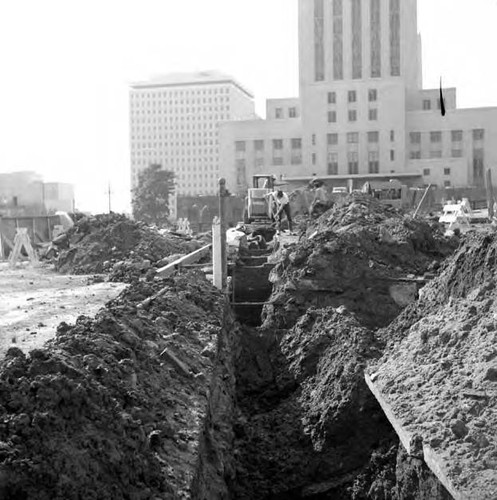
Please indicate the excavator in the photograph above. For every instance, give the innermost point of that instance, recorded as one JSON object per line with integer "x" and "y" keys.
{"x": 259, "y": 205}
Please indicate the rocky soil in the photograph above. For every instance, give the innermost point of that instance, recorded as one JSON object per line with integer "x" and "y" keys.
{"x": 308, "y": 426}
{"x": 352, "y": 256}
{"x": 123, "y": 405}
{"x": 112, "y": 243}
{"x": 439, "y": 372}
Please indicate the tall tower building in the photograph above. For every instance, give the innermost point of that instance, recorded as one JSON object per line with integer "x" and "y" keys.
{"x": 174, "y": 121}
{"x": 362, "y": 113}
{"x": 359, "y": 60}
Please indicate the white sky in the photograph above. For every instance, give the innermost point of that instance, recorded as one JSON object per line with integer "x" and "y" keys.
{"x": 65, "y": 66}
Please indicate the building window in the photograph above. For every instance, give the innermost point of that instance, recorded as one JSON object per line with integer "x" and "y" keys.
{"x": 392, "y": 155}
{"x": 373, "y": 136}
{"x": 375, "y": 35}
{"x": 240, "y": 146}
{"x": 446, "y": 171}
{"x": 259, "y": 145}
{"x": 356, "y": 39}
{"x": 446, "y": 184}
{"x": 436, "y": 154}
{"x": 277, "y": 160}
{"x": 478, "y": 134}
{"x": 296, "y": 143}
{"x": 426, "y": 172}
{"x": 392, "y": 135}
{"x": 240, "y": 172}
{"x": 313, "y": 139}
{"x": 415, "y": 155}
{"x": 373, "y": 115}
{"x": 332, "y": 116}
{"x": 292, "y": 112}
{"x": 353, "y": 162}
{"x": 415, "y": 137}
{"x": 352, "y": 137}
{"x": 337, "y": 40}
{"x": 436, "y": 136}
{"x": 395, "y": 37}
{"x": 278, "y": 113}
{"x": 456, "y": 135}
{"x": 332, "y": 97}
{"x": 372, "y": 95}
{"x": 426, "y": 104}
{"x": 352, "y": 95}
{"x": 332, "y": 139}
{"x": 456, "y": 153}
{"x": 313, "y": 158}
{"x": 259, "y": 161}
{"x": 478, "y": 165}
{"x": 374, "y": 162}
{"x": 352, "y": 115}
{"x": 296, "y": 158}
{"x": 319, "y": 40}
{"x": 277, "y": 143}
{"x": 332, "y": 163}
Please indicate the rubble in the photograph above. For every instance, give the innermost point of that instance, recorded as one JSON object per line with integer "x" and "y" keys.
{"x": 114, "y": 244}
{"x": 119, "y": 406}
{"x": 438, "y": 370}
{"x": 352, "y": 256}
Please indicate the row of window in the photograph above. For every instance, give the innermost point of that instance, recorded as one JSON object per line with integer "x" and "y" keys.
{"x": 478, "y": 134}
{"x": 454, "y": 153}
{"x": 352, "y": 115}
{"x": 352, "y": 96}
{"x": 208, "y": 101}
{"x": 279, "y": 113}
{"x": 179, "y": 93}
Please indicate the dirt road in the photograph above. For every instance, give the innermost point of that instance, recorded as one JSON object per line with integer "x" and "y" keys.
{"x": 33, "y": 301}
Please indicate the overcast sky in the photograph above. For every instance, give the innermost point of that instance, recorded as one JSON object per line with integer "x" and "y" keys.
{"x": 65, "y": 66}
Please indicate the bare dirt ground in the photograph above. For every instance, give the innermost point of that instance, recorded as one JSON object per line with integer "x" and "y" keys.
{"x": 35, "y": 300}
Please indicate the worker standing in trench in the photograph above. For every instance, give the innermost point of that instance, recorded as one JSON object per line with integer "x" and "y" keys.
{"x": 283, "y": 205}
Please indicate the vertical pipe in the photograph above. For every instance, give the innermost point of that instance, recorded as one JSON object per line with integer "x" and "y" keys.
{"x": 222, "y": 221}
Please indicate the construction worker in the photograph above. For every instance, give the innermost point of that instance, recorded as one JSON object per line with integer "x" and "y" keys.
{"x": 283, "y": 205}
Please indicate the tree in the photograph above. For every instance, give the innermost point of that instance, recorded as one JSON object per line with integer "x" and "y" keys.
{"x": 151, "y": 196}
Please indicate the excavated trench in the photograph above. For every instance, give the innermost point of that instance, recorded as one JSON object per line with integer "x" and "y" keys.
{"x": 306, "y": 425}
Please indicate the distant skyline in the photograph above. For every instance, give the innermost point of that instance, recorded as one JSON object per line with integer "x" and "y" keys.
{"x": 66, "y": 68}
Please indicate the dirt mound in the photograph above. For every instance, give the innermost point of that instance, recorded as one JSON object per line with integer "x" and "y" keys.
{"x": 439, "y": 372}
{"x": 308, "y": 426}
{"x": 355, "y": 255}
{"x": 114, "y": 407}
{"x": 97, "y": 244}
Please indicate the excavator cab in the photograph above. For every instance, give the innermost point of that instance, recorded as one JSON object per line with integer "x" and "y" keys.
{"x": 259, "y": 205}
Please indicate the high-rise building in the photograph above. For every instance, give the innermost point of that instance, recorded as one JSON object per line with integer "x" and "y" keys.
{"x": 362, "y": 113}
{"x": 174, "y": 121}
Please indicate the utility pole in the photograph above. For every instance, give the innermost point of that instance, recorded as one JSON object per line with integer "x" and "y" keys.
{"x": 109, "y": 193}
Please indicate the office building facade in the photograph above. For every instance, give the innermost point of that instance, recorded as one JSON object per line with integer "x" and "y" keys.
{"x": 174, "y": 121}
{"x": 362, "y": 113}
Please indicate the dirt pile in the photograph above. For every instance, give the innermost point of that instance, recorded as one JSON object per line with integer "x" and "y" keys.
{"x": 119, "y": 406}
{"x": 115, "y": 244}
{"x": 439, "y": 372}
{"x": 308, "y": 426}
{"x": 354, "y": 255}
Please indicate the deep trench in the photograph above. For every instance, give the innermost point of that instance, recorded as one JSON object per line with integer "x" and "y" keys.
{"x": 274, "y": 456}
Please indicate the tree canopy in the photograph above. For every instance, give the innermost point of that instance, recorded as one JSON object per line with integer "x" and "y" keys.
{"x": 151, "y": 196}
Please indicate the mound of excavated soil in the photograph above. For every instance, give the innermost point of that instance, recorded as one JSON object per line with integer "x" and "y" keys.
{"x": 308, "y": 423}
{"x": 115, "y": 407}
{"x": 98, "y": 243}
{"x": 354, "y": 255}
{"x": 439, "y": 372}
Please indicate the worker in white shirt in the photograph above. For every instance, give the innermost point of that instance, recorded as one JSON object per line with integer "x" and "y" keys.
{"x": 283, "y": 205}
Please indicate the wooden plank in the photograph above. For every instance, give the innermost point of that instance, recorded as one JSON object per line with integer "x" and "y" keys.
{"x": 404, "y": 436}
{"x": 191, "y": 258}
